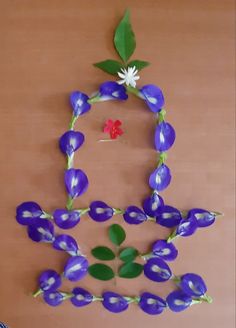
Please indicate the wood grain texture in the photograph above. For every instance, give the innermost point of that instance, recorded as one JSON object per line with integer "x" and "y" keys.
{"x": 47, "y": 51}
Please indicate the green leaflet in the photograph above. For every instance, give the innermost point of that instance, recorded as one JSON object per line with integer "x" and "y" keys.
{"x": 116, "y": 234}
{"x": 130, "y": 270}
{"x": 110, "y": 66}
{"x": 103, "y": 253}
{"x": 101, "y": 271}
{"x": 124, "y": 39}
{"x": 128, "y": 254}
{"x": 139, "y": 64}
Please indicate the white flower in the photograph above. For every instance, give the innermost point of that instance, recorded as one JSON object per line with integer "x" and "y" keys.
{"x": 128, "y": 76}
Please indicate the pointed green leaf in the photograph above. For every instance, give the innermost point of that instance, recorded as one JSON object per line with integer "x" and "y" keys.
{"x": 116, "y": 234}
{"x": 128, "y": 254}
{"x": 130, "y": 270}
{"x": 101, "y": 271}
{"x": 139, "y": 64}
{"x": 110, "y": 66}
{"x": 124, "y": 38}
{"x": 103, "y": 253}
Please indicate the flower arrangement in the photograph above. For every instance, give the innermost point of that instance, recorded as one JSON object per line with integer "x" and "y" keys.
{"x": 190, "y": 287}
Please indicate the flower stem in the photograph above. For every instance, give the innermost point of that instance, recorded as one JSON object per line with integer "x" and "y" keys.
{"x": 72, "y": 122}
{"x": 94, "y": 99}
{"x": 69, "y": 204}
{"x": 133, "y": 90}
{"x": 37, "y": 293}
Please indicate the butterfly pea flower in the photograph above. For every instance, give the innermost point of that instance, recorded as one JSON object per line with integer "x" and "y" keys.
{"x": 164, "y": 136}
{"x": 187, "y": 227}
{"x": 27, "y": 212}
{"x": 112, "y": 90}
{"x": 157, "y": 270}
{"x": 168, "y": 216}
{"x": 152, "y": 204}
{"x": 53, "y": 298}
{"x": 76, "y": 268}
{"x": 160, "y": 178}
{"x": 81, "y": 297}
{"x": 134, "y": 215}
{"x": 65, "y": 219}
{"x": 164, "y": 250}
{"x": 178, "y": 301}
{"x": 193, "y": 285}
{"x": 79, "y": 103}
{"x": 66, "y": 243}
{"x": 76, "y": 182}
{"x": 151, "y": 304}
{"x": 114, "y": 302}
{"x": 153, "y": 97}
{"x": 203, "y": 217}
{"x": 100, "y": 211}
{"x": 41, "y": 231}
{"x": 49, "y": 280}
{"x": 70, "y": 141}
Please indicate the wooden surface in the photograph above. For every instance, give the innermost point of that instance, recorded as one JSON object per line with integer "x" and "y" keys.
{"x": 47, "y": 51}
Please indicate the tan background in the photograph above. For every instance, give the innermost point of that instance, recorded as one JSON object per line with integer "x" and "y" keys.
{"x": 47, "y": 50}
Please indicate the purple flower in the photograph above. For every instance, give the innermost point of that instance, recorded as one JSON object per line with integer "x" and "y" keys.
{"x": 112, "y": 90}
{"x": 133, "y": 215}
{"x": 100, "y": 211}
{"x": 79, "y": 103}
{"x": 49, "y": 280}
{"x": 151, "y": 304}
{"x": 168, "y": 216}
{"x": 165, "y": 251}
{"x": 66, "y": 219}
{"x": 53, "y": 298}
{"x": 76, "y": 268}
{"x": 41, "y": 231}
{"x": 76, "y": 182}
{"x": 193, "y": 285}
{"x": 70, "y": 141}
{"x": 157, "y": 270}
{"x": 178, "y": 301}
{"x": 164, "y": 136}
{"x": 114, "y": 302}
{"x": 153, "y": 97}
{"x": 81, "y": 297}
{"x": 152, "y": 204}
{"x": 27, "y": 212}
{"x": 66, "y": 243}
{"x": 187, "y": 227}
{"x": 160, "y": 178}
{"x": 203, "y": 217}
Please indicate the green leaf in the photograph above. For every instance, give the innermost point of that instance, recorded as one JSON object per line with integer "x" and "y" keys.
{"x": 116, "y": 234}
{"x": 103, "y": 253}
{"x": 124, "y": 38}
{"x": 128, "y": 254}
{"x": 139, "y": 64}
{"x": 101, "y": 271}
{"x": 110, "y": 66}
{"x": 130, "y": 270}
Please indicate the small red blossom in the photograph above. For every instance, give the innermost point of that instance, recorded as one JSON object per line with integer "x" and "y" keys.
{"x": 113, "y": 128}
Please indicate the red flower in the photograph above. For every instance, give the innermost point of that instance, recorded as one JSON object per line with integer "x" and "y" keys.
{"x": 113, "y": 128}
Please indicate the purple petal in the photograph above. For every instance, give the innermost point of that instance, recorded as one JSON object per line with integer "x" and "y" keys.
{"x": 164, "y": 136}
{"x": 114, "y": 302}
{"x": 27, "y": 212}
{"x": 151, "y": 304}
{"x": 79, "y": 103}
{"x": 66, "y": 219}
{"x": 112, "y": 90}
{"x": 193, "y": 285}
{"x": 100, "y": 211}
{"x": 187, "y": 227}
{"x": 168, "y": 216}
{"x": 70, "y": 141}
{"x": 66, "y": 243}
{"x": 178, "y": 301}
{"x": 160, "y": 178}
{"x": 134, "y": 215}
{"x": 49, "y": 280}
{"x": 76, "y": 182}
{"x": 76, "y": 268}
{"x": 153, "y": 97}
{"x": 81, "y": 297}
{"x": 41, "y": 231}
{"x": 157, "y": 270}
{"x": 53, "y": 298}
{"x": 203, "y": 217}
{"x": 165, "y": 251}
{"x": 152, "y": 204}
